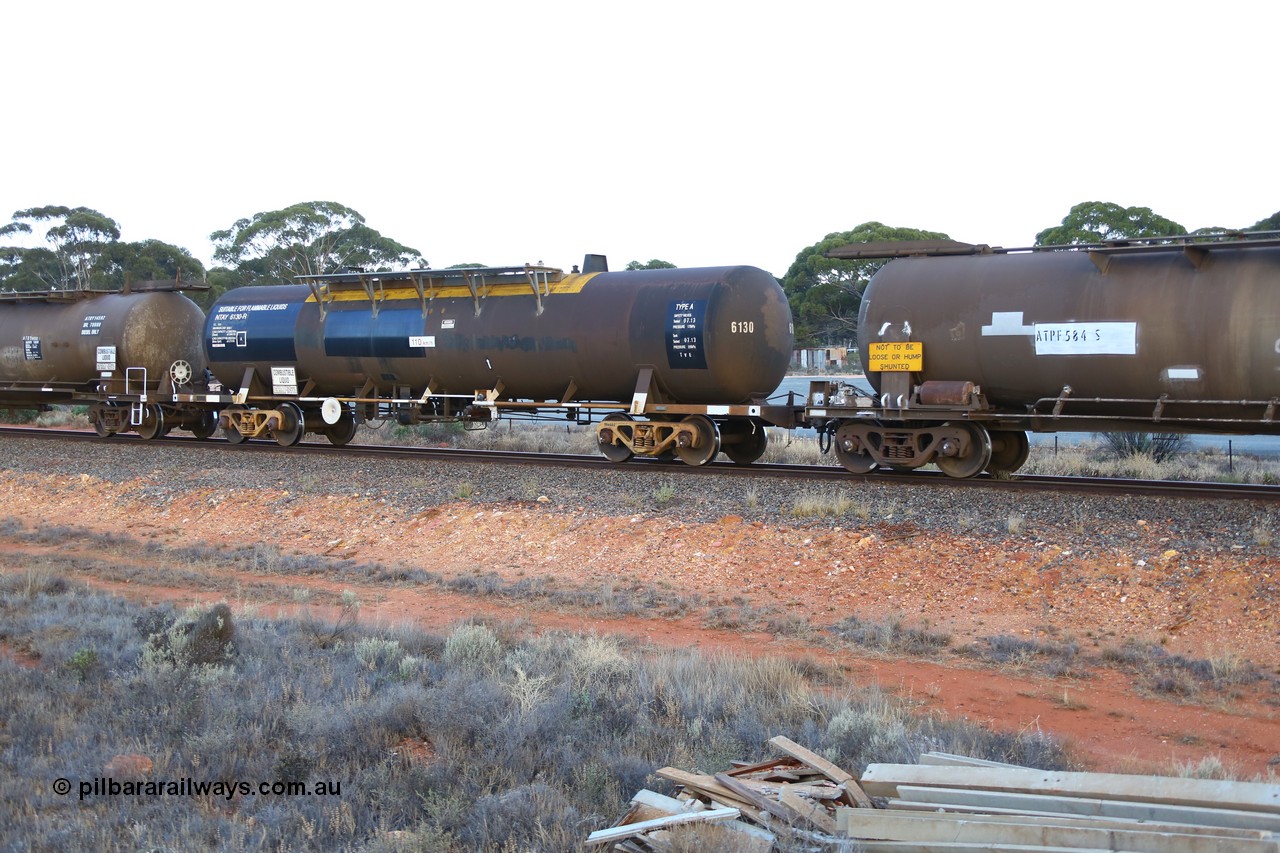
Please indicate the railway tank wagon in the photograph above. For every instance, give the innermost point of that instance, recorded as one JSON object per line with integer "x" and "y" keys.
{"x": 679, "y": 361}
{"x": 967, "y": 348}
{"x": 114, "y": 351}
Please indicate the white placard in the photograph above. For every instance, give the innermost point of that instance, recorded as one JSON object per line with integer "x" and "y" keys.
{"x": 106, "y": 359}
{"x": 1086, "y": 338}
{"x": 284, "y": 380}
{"x": 422, "y": 341}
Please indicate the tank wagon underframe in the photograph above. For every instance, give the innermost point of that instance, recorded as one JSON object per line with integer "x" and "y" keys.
{"x": 968, "y": 348}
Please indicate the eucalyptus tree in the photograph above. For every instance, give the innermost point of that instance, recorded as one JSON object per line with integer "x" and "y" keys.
{"x": 147, "y": 260}
{"x": 1271, "y": 223}
{"x": 1100, "y": 221}
{"x": 653, "y": 264}
{"x": 825, "y": 293}
{"x": 76, "y": 239}
{"x": 310, "y": 238}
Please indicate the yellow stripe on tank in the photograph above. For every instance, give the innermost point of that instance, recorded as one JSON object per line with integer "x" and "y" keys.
{"x": 572, "y": 283}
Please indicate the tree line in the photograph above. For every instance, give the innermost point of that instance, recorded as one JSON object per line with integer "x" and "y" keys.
{"x": 825, "y": 293}
{"x": 83, "y": 251}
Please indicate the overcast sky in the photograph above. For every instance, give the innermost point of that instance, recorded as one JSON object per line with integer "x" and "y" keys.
{"x": 701, "y": 133}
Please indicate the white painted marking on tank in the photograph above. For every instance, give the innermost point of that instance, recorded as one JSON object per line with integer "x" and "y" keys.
{"x": 1086, "y": 338}
{"x": 1007, "y": 323}
{"x": 1278, "y": 345}
{"x": 1192, "y": 373}
{"x": 885, "y": 328}
{"x": 906, "y": 328}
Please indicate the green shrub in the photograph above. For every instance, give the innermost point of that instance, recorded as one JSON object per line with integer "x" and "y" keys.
{"x": 1160, "y": 447}
{"x": 474, "y": 648}
{"x": 82, "y": 663}
{"x": 891, "y": 636}
{"x": 197, "y": 638}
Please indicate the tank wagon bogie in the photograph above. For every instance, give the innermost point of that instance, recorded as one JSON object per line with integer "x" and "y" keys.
{"x": 674, "y": 362}
{"x": 968, "y": 348}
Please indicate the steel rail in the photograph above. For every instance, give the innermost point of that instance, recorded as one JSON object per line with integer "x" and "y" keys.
{"x": 833, "y": 475}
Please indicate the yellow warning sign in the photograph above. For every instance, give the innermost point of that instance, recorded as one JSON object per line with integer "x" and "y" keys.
{"x": 896, "y": 357}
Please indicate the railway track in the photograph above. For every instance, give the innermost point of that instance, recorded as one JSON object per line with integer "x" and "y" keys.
{"x": 832, "y": 475}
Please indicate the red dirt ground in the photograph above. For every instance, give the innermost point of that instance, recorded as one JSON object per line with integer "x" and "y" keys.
{"x": 1034, "y": 586}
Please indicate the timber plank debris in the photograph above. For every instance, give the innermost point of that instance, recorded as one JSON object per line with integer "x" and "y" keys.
{"x": 946, "y": 803}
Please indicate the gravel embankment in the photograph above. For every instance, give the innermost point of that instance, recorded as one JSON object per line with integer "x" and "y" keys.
{"x": 171, "y": 469}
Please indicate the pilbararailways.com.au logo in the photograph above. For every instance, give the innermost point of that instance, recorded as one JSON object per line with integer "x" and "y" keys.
{"x": 188, "y": 787}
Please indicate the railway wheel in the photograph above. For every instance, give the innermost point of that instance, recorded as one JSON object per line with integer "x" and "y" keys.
{"x": 850, "y": 446}
{"x": 152, "y": 425}
{"x": 616, "y": 452}
{"x": 707, "y": 444}
{"x": 230, "y": 433}
{"x": 972, "y": 461}
{"x": 1009, "y": 451}
{"x": 291, "y": 427}
{"x": 343, "y": 429}
{"x": 745, "y": 444}
{"x": 206, "y": 424}
{"x": 855, "y": 461}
